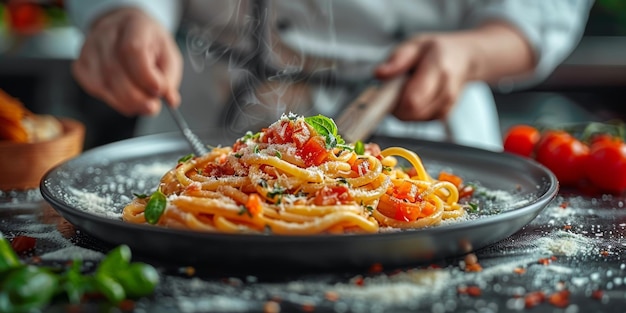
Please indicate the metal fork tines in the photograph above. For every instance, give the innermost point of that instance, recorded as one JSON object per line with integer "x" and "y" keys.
{"x": 196, "y": 144}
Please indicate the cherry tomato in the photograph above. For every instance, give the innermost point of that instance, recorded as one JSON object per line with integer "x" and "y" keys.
{"x": 597, "y": 139}
{"x": 606, "y": 165}
{"x": 564, "y": 155}
{"x": 521, "y": 140}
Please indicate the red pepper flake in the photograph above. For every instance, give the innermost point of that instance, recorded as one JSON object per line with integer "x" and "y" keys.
{"x": 308, "y": 307}
{"x": 376, "y": 268}
{"x": 331, "y": 296}
{"x": 544, "y": 261}
{"x": 271, "y": 307}
{"x": 564, "y": 205}
{"x": 474, "y": 291}
{"x": 567, "y": 227}
{"x": 519, "y": 270}
{"x": 597, "y": 294}
{"x": 473, "y": 267}
{"x": 127, "y": 305}
{"x": 553, "y": 258}
{"x": 533, "y": 299}
{"x": 604, "y": 253}
{"x": 35, "y": 260}
{"x": 359, "y": 281}
{"x": 560, "y": 298}
{"x": 23, "y": 244}
{"x": 189, "y": 270}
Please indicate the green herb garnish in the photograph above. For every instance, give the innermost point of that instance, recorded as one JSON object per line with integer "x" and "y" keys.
{"x": 327, "y": 128}
{"x": 186, "y": 158}
{"x": 28, "y": 288}
{"x": 359, "y": 148}
{"x": 155, "y": 207}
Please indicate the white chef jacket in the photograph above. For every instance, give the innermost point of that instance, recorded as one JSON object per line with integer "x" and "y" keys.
{"x": 350, "y": 37}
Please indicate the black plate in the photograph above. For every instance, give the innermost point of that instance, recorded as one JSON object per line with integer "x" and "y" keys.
{"x": 91, "y": 190}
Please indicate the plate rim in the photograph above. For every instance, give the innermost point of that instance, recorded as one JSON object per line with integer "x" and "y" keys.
{"x": 63, "y": 208}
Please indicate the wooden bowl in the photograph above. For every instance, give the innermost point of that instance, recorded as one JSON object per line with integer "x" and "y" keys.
{"x": 22, "y": 165}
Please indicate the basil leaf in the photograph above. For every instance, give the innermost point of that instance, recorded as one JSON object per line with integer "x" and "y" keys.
{"x": 326, "y": 127}
{"x": 155, "y": 207}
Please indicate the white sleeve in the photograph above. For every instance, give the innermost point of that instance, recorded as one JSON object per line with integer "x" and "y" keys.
{"x": 552, "y": 27}
{"x": 84, "y": 12}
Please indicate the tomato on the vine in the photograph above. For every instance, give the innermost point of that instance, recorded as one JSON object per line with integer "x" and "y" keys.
{"x": 521, "y": 139}
{"x": 564, "y": 155}
{"x": 606, "y": 165}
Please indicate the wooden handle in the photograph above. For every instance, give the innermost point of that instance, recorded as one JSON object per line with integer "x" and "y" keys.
{"x": 362, "y": 116}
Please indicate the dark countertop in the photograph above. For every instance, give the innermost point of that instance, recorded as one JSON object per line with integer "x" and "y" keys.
{"x": 576, "y": 243}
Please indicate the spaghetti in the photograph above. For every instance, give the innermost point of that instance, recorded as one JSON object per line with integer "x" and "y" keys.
{"x": 298, "y": 177}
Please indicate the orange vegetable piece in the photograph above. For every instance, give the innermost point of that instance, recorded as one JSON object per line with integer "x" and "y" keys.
{"x": 254, "y": 204}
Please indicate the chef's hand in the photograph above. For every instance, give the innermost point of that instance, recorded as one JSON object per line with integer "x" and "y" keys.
{"x": 130, "y": 61}
{"x": 439, "y": 65}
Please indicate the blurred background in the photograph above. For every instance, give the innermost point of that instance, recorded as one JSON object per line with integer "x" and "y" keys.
{"x": 38, "y": 44}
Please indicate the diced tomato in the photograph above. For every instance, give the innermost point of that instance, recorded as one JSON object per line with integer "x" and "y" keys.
{"x": 406, "y": 191}
{"x": 466, "y": 192}
{"x": 330, "y": 195}
{"x": 428, "y": 209}
{"x": 411, "y": 172}
{"x": 301, "y": 134}
{"x": 361, "y": 167}
{"x": 280, "y": 133}
{"x": 405, "y": 211}
{"x": 449, "y": 177}
{"x": 238, "y": 145}
{"x": 314, "y": 151}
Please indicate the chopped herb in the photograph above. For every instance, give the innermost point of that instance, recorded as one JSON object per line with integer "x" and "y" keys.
{"x": 140, "y": 195}
{"x": 359, "y": 147}
{"x": 278, "y": 190}
{"x": 256, "y": 149}
{"x": 199, "y": 171}
{"x": 243, "y": 210}
{"x": 263, "y": 183}
{"x": 342, "y": 180}
{"x": 238, "y": 155}
{"x": 473, "y": 207}
{"x": 387, "y": 168}
{"x": 186, "y": 158}
{"x": 278, "y": 155}
{"x": 249, "y": 135}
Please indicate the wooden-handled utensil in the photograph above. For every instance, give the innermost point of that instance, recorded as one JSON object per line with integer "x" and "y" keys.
{"x": 363, "y": 115}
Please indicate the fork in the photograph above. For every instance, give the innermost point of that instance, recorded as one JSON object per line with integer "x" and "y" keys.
{"x": 194, "y": 142}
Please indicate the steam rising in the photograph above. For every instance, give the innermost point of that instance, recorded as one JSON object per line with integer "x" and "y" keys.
{"x": 267, "y": 77}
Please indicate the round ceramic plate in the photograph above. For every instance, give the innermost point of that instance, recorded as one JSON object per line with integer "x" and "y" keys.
{"x": 91, "y": 190}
